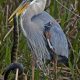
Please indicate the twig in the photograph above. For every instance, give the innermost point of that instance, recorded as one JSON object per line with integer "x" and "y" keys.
{"x": 17, "y": 70}
{"x": 33, "y": 67}
{"x": 67, "y": 9}
{"x": 25, "y": 76}
{"x": 62, "y": 68}
{"x": 66, "y": 72}
{"x": 8, "y": 33}
{"x": 65, "y": 78}
{"x": 7, "y": 15}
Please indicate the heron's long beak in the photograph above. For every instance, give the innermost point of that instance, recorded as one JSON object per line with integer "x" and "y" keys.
{"x": 19, "y": 10}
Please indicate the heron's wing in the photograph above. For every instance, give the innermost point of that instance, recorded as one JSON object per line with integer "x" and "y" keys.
{"x": 58, "y": 38}
{"x": 34, "y": 34}
{"x": 33, "y": 31}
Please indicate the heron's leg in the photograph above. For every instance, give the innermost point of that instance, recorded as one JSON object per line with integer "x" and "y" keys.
{"x": 33, "y": 69}
{"x": 33, "y": 66}
{"x": 48, "y": 37}
{"x": 55, "y": 66}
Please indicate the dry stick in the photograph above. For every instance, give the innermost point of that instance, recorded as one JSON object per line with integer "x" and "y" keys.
{"x": 17, "y": 70}
{"x": 25, "y": 77}
{"x": 7, "y": 34}
{"x": 55, "y": 66}
{"x": 33, "y": 67}
{"x": 7, "y": 23}
{"x": 61, "y": 70}
{"x": 67, "y": 9}
{"x": 7, "y": 15}
{"x": 33, "y": 71}
{"x": 78, "y": 70}
{"x": 66, "y": 72}
{"x": 65, "y": 78}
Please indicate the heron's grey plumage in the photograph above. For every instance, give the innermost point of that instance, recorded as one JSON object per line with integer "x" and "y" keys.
{"x": 58, "y": 38}
{"x": 33, "y": 20}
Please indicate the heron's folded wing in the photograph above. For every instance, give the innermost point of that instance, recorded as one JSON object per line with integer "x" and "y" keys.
{"x": 58, "y": 38}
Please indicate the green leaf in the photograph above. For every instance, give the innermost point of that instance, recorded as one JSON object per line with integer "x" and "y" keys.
{"x": 2, "y": 1}
{"x": 37, "y": 74}
{"x": 8, "y": 53}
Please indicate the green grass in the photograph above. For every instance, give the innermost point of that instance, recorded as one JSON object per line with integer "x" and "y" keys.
{"x": 24, "y": 54}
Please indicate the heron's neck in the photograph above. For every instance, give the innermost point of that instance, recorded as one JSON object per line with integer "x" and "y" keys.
{"x": 35, "y": 7}
{"x": 40, "y": 3}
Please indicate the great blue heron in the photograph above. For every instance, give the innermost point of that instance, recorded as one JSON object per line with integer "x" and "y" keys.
{"x": 44, "y": 35}
{"x": 36, "y": 23}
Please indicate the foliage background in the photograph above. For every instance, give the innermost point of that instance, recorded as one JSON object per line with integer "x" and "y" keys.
{"x": 67, "y": 16}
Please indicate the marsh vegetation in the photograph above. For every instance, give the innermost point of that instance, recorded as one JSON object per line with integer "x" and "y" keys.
{"x": 66, "y": 12}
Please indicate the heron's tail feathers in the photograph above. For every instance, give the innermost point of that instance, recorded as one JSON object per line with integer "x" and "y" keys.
{"x": 63, "y": 60}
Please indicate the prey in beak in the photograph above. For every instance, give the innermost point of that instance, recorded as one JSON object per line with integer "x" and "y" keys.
{"x": 19, "y": 10}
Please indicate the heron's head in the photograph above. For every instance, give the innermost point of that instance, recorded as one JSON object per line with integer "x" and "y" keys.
{"x": 47, "y": 3}
{"x": 19, "y": 10}
{"x": 23, "y": 6}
